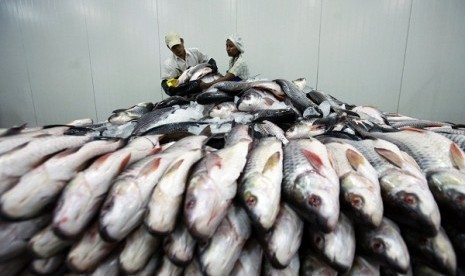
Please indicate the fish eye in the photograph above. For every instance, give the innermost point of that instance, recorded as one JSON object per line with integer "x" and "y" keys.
{"x": 190, "y": 204}
{"x": 319, "y": 240}
{"x": 250, "y": 200}
{"x": 314, "y": 201}
{"x": 460, "y": 199}
{"x": 409, "y": 198}
{"x": 356, "y": 201}
{"x": 377, "y": 245}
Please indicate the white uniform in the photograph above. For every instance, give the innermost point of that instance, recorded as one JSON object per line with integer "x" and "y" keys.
{"x": 174, "y": 66}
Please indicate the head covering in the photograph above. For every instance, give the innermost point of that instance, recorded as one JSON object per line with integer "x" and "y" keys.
{"x": 172, "y": 39}
{"x": 237, "y": 41}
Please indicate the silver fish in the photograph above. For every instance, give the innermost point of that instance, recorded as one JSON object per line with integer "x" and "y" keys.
{"x": 46, "y": 243}
{"x": 190, "y": 72}
{"x": 406, "y": 197}
{"x": 267, "y": 128}
{"x": 14, "y": 236}
{"x": 283, "y": 241}
{"x": 223, "y": 110}
{"x": 47, "y": 266}
{"x": 139, "y": 246}
{"x": 310, "y": 183}
{"x": 297, "y": 97}
{"x": 84, "y": 194}
{"x": 89, "y": 251}
{"x": 441, "y": 160}
{"x": 151, "y": 266}
{"x": 166, "y": 199}
{"x": 270, "y": 86}
{"x": 253, "y": 100}
{"x": 311, "y": 265}
{"x": 338, "y": 247}
{"x": 16, "y": 163}
{"x": 250, "y": 260}
{"x": 8, "y": 143}
{"x": 360, "y": 189}
{"x": 305, "y": 129}
{"x": 40, "y": 186}
{"x": 260, "y": 185}
{"x": 231, "y": 86}
{"x": 437, "y": 251}
{"x": 126, "y": 202}
{"x": 221, "y": 252}
{"x": 212, "y": 184}
{"x": 179, "y": 246}
{"x": 291, "y": 270}
{"x": 385, "y": 245}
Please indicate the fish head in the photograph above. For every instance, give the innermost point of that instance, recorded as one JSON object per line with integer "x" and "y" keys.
{"x": 222, "y": 110}
{"x": 299, "y": 131}
{"x": 201, "y": 207}
{"x": 362, "y": 198}
{"x": 448, "y": 187}
{"x": 316, "y": 201}
{"x": 249, "y": 101}
{"x": 257, "y": 199}
{"x": 390, "y": 251}
{"x": 410, "y": 201}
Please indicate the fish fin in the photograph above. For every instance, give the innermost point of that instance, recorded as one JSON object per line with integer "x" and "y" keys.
{"x": 155, "y": 150}
{"x": 268, "y": 101}
{"x": 313, "y": 158}
{"x": 213, "y": 160}
{"x": 333, "y": 162}
{"x": 272, "y": 162}
{"x": 152, "y": 166}
{"x": 457, "y": 157}
{"x": 407, "y": 157}
{"x": 207, "y": 131}
{"x": 124, "y": 163}
{"x": 413, "y": 129}
{"x": 390, "y": 156}
{"x": 173, "y": 168}
{"x": 355, "y": 159}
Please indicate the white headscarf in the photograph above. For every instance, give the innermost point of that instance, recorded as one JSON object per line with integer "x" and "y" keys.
{"x": 237, "y": 41}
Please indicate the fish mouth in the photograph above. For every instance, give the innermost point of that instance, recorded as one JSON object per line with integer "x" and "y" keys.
{"x": 105, "y": 234}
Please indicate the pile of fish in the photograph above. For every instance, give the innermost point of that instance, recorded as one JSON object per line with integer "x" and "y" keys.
{"x": 249, "y": 178}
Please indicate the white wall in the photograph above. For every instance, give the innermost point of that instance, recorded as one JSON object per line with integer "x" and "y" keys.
{"x": 67, "y": 59}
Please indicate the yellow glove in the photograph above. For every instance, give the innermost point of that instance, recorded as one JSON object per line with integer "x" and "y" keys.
{"x": 172, "y": 82}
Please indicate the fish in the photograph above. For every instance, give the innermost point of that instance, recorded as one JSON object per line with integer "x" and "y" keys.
{"x": 166, "y": 199}
{"x": 275, "y": 115}
{"x": 336, "y": 248}
{"x": 404, "y": 189}
{"x": 271, "y": 87}
{"x": 152, "y": 119}
{"x": 360, "y": 192}
{"x": 267, "y": 128}
{"x": 219, "y": 255}
{"x": 213, "y": 97}
{"x": 260, "y": 186}
{"x": 46, "y": 243}
{"x": 310, "y": 184}
{"x": 250, "y": 259}
{"x": 371, "y": 114}
{"x": 459, "y": 139}
{"x": 12, "y": 130}
{"x": 14, "y": 236}
{"x": 297, "y": 97}
{"x": 213, "y": 184}
{"x": 190, "y": 72}
{"x": 179, "y": 245}
{"x": 83, "y": 195}
{"x": 441, "y": 160}
{"x": 231, "y": 86}
{"x": 385, "y": 245}
{"x": 223, "y": 110}
{"x": 190, "y": 127}
{"x": 10, "y": 142}
{"x": 151, "y": 265}
{"x": 89, "y": 251}
{"x": 139, "y": 246}
{"x": 171, "y": 101}
{"x": 305, "y": 129}
{"x": 125, "y": 204}
{"x": 47, "y": 266}
{"x": 41, "y": 186}
{"x": 311, "y": 265}
{"x": 253, "y": 99}
{"x": 282, "y": 242}
{"x": 16, "y": 163}
{"x": 291, "y": 270}
{"x": 436, "y": 251}
{"x": 199, "y": 74}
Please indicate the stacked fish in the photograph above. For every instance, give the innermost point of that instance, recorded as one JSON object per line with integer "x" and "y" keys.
{"x": 251, "y": 178}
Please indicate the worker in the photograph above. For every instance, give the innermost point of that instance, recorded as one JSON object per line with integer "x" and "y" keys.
{"x": 238, "y": 69}
{"x": 181, "y": 59}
